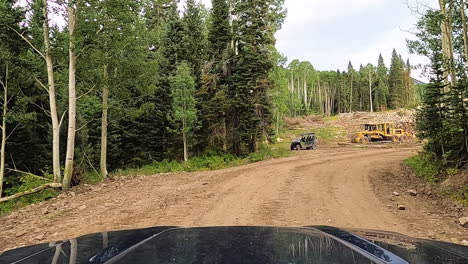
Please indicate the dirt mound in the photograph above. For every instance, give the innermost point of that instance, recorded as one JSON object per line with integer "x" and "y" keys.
{"x": 403, "y": 118}
{"x": 456, "y": 180}
{"x": 345, "y": 126}
{"x": 399, "y": 185}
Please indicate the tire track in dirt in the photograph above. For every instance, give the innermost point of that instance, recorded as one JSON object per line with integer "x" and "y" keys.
{"x": 323, "y": 187}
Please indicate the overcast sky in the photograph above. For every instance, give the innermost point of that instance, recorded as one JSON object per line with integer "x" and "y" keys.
{"x": 329, "y": 33}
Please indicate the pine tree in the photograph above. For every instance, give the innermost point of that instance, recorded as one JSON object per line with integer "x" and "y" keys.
{"x": 352, "y": 79}
{"x": 250, "y": 94}
{"x": 170, "y": 54}
{"x": 194, "y": 43}
{"x": 396, "y": 81}
{"x": 219, "y": 36}
{"x": 381, "y": 92}
{"x": 212, "y": 94}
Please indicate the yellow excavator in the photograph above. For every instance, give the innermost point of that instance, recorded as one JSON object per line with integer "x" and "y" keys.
{"x": 380, "y": 132}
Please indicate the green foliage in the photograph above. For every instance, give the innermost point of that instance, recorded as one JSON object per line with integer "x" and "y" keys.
{"x": 425, "y": 166}
{"x": 209, "y": 161}
{"x": 268, "y": 152}
{"x": 330, "y": 133}
{"x": 184, "y": 102}
{"x": 26, "y": 183}
{"x": 460, "y": 195}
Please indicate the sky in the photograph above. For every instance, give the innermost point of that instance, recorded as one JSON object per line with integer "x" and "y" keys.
{"x": 330, "y": 33}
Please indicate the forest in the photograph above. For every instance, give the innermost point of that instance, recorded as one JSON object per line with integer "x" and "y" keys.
{"x": 103, "y": 85}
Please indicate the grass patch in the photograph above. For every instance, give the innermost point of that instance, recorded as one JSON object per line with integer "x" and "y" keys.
{"x": 461, "y": 195}
{"x": 209, "y": 161}
{"x": 328, "y": 134}
{"x": 425, "y": 167}
{"x": 331, "y": 118}
{"x": 269, "y": 152}
{"x": 27, "y": 182}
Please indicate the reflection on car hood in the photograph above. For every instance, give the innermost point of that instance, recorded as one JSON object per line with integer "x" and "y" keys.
{"x": 314, "y": 244}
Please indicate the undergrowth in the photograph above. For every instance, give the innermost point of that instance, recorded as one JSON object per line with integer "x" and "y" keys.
{"x": 208, "y": 161}
{"x": 25, "y": 183}
{"x": 431, "y": 171}
{"x": 329, "y": 134}
{"x": 425, "y": 167}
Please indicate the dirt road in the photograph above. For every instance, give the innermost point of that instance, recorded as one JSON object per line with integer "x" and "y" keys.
{"x": 323, "y": 187}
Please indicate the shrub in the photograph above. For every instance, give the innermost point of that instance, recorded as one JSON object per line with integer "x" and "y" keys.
{"x": 425, "y": 166}
{"x": 27, "y": 182}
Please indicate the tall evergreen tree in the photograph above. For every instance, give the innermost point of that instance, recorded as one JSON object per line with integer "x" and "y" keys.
{"x": 352, "y": 79}
{"x": 194, "y": 40}
{"x": 170, "y": 54}
{"x": 381, "y": 92}
{"x": 219, "y": 36}
{"x": 254, "y": 36}
{"x": 212, "y": 93}
{"x": 396, "y": 81}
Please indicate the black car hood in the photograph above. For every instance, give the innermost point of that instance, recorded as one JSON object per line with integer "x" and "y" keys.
{"x": 314, "y": 244}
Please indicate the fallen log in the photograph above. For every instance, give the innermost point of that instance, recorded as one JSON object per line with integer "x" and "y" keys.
{"x": 35, "y": 190}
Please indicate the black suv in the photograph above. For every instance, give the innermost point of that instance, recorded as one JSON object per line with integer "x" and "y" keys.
{"x": 306, "y": 141}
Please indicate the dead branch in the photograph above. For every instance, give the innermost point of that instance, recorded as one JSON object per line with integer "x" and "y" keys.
{"x": 29, "y": 42}
{"x": 41, "y": 84}
{"x": 35, "y": 190}
{"x": 89, "y": 91}
{"x": 61, "y": 119}
{"x": 12, "y": 131}
{"x": 29, "y": 173}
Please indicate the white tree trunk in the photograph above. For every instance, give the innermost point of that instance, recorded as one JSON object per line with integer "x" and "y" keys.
{"x": 370, "y": 92}
{"x": 52, "y": 99}
{"x": 69, "y": 160}
{"x": 4, "y": 131}
{"x": 465, "y": 28}
{"x": 447, "y": 44}
{"x": 305, "y": 95}
{"x": 184, "y": 135}
{"x": 351, "y": 96}
{"x": 105, "y": 106}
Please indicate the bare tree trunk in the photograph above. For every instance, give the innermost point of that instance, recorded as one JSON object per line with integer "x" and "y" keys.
{"x": 305, "y": 95}
{"x": 4, "y": 130}
{"x": 71, "y": 98}
{"x": 351, "y": 97}
{"x": 447, "y": 44}
{"x": 184, "y": 136}
{"x": 465, "y": 28}
{"x": 224, "y": 135}
{"x": 52, "y": 98}
{"x": 370, "y": 92}
{"x": 105, "y": 106}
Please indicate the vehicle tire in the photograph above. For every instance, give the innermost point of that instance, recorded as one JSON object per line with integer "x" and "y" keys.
{"x": 395, "y": 139}
{"x": 365, "y": 140}
{"x": 314, "y": 146}
{"x": 403, "y": 139}
{"x": 292, "y": 147}
{"x": 298, "y": 147}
